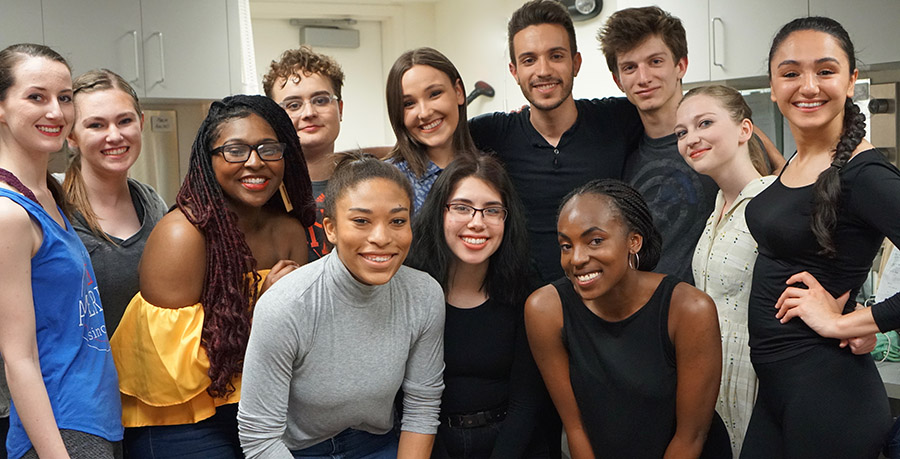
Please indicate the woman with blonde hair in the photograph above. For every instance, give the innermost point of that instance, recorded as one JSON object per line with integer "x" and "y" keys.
{"x": 714, "y": 132}
{"x": 113, "y": 214}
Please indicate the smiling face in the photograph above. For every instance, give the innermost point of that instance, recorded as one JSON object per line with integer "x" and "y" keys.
{"x": 370, "y": 229}
{"x": 431, "y": 106}
{"x": 594, "y": 244}
{"x": 708, "y": 139}
{"x": 253, "y": 182}
{"x": 650, "y": 76}
{"x": 811, "y": 80}
{"x": 37, "y": 112}
{"x": 107, "y": 131}
{"x": 473, "y": 240}
{"x": 544, "y": 66}
{"x": 317, "y": 127}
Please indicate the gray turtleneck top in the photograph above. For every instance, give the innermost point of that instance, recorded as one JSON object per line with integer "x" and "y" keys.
{"x": 327, "y": 353}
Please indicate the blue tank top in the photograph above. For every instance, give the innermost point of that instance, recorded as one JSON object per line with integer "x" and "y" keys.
{"x": 73, "y": 347}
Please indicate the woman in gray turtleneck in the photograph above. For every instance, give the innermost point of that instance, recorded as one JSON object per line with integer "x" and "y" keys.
{"x": 333, "y": 341}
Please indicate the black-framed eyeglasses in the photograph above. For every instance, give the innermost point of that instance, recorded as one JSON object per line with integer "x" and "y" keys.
{"x": 240, "y": 152}
{"x": 463, "y": 212}
{"x": 317, "y": 102}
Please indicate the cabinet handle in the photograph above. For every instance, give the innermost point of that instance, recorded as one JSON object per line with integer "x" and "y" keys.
{"x": 715, "y": 48}
{"x": 137, "y": 68}
{"x": 162, "y": 59}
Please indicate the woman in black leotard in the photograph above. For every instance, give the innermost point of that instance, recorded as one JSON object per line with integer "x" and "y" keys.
{"x": 818, "y": 228}
{"x": 608, "y": 335}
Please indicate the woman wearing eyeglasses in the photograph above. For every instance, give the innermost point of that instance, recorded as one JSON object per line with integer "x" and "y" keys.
{"x": 180, "y": 346}
{"x": 470, "y": 236}
{"x": 427, "y": 108}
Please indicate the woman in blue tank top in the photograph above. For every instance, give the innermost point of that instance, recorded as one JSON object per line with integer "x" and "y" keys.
{"x": 608, "y": 335}
{"x": 65, "y": 400}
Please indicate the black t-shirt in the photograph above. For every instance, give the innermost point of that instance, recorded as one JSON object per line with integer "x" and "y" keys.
{"x": 779, "y": 219}
{"x": 489, "y": 364}
{"x": 596, "y": 146}
{"x": 679, "y": 199}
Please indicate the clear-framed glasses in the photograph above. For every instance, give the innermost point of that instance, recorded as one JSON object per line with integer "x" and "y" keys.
{"x": 463, "y": 212}
{"x": 317, "y": 102}
{"x": 240, "y": 152}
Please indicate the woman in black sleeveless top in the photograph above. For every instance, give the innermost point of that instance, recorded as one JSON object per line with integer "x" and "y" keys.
{"x": 607, "y": 337}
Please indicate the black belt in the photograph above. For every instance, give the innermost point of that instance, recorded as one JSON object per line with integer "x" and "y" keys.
{"x": 479, "y": 419}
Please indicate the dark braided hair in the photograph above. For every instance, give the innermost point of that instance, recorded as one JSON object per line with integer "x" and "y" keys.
{"x": 633, "y": 211}
{"x": 227, "y": 295}
{"x": 506, "y": 280}
{"x": 827, "y": 188}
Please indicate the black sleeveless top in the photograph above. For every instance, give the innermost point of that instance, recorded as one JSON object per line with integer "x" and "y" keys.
{"x": 624, "y": 378}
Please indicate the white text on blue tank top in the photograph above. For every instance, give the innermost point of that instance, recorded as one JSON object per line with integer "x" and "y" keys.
{"x": 90, "y": 314}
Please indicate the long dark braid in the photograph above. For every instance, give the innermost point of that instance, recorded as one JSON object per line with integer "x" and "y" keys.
{"x": 827, "y": 188}
{"x": 228, "y": 295}
{"x": 635, "y": 214}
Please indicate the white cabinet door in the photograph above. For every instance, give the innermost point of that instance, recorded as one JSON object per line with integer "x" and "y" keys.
{"x": 20, "y": 22}
{"x": 186, "y": 48}
{"x": 97, "y": 34}
{"x": 874, "y": 26}
{"x": 694, "y": 15}
{"x": 741, "y": 33}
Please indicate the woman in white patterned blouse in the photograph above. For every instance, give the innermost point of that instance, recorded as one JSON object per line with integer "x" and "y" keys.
{"x": 714, "y": 133}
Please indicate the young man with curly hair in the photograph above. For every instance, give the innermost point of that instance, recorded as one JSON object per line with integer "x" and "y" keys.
{"x": 308, "y": 86}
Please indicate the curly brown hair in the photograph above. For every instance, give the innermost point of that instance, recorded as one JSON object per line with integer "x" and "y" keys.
{"x": 294, "y": 64}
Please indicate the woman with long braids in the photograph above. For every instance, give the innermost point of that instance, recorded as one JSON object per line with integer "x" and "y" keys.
{"x": 113, "y": 214}
{"x": 180, "y": 346}
{"x": 470, "y": 236}
{"x": 426, "y": 103}
{"x": 818, "y": 226}
{"x": 52, "y": 335}
{"x": 631, "y": 358}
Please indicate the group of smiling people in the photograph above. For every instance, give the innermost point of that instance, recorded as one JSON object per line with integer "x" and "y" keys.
{"x": 419, "y": 329}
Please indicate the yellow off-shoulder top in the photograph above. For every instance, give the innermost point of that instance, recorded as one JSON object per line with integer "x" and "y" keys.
{"x": 163, "y": 368}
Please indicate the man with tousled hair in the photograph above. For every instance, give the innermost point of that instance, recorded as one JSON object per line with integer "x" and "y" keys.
{"x": 646, "y": 51}
{"x": 557, "y": 143}
{"x": 308, "y": 86}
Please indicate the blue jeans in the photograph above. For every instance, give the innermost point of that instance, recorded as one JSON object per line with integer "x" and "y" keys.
{"x": 353, "y": 444}
{"x": 212, "y": 438}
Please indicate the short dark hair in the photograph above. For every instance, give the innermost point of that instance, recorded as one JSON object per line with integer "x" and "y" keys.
{"x": 634, "y": 212}
{"x": 506, "y": 280}
{"x": 294, "y": 64}
{"x": 628, "y": 28}
{"x": 354, "y": 167}
{"x": 537, "y": 12}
